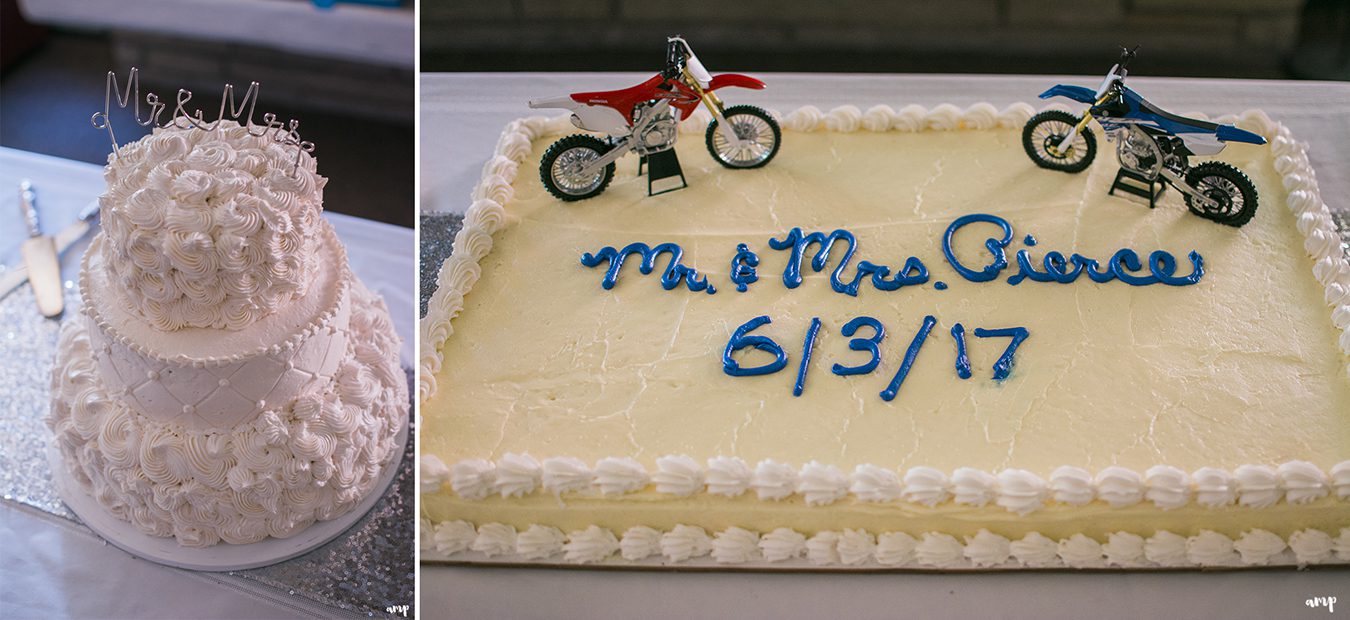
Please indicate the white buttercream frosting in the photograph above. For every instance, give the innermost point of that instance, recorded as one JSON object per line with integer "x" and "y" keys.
{"x": 856, "y": 546}
{"x": 735, "y": 545}
{"x": 453, "y": 537}
{"x": 1035, "y": 551}
{"x": 986, "y": 549}
{"x": 1124, "y": 549}
{"x": 774, "y": 480}
{"x": 1340, "y": 473}
{"x": 517, "y": 475}
{"x": 1258, "y": 486}
{"x": 821, "y": 484}
{"x": 564, "y": 473}
{"x": 1311, "y": 546}
{"x": 432, "y": 472}
{"x": 495, "y": 539}
{"x": 592, "y": 544}
{"x": 678, "y": 475}
{"x": 1209, "y": 548}
{"x": 870, "y": 483}
{"x": 309, "y": 460}
{"x": 618, "y": 475}
{"x": 823, "y": 548}
{"x": 1343, "y": 545}
{"x": 895, "y": 549}
{"x": 1072, "y": 485}
{"x": 539, "y": 542}
{"x": 1079, "y": 551}
{"x": 939, "y": 550}
{"x": 973, "y": 486}
{"x": 1214, "y": 487}
{"x": 1167, "y": 487}
{"x": 1119, "y": 486}
{"x": 925, "y": 485}
{"x": 782, "y": 544}
{"x": 1166, "y": 549}
{"x": 1021, "y": 491}
{"x": 1257, "y": 547}
{"x": 685, "y": 541}
{"x": 473, "y": 478}
{"x": 1303, "y": 482}
{"x": 728, "y": 476}
{"x": 209, "y": 229}
{"x": 640, "y": 542}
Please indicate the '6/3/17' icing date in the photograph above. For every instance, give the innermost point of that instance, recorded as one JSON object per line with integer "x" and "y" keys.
{"x": 741, "y": 339}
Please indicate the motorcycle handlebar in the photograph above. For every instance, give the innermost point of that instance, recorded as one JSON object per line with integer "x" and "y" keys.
{"x": 1126, "y": 55}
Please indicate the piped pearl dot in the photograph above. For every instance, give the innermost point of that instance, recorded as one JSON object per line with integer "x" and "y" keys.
{"x": 188, "y": 408}
{"x": 152, "y": 375}
{"x": 262, "y": 404}
{"x": 290, "y": 365}
{"x": 224, "y": 382}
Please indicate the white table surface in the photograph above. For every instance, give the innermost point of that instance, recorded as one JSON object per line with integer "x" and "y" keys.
{"x": 51, "y": 568}
{"x": 461, "y": 118}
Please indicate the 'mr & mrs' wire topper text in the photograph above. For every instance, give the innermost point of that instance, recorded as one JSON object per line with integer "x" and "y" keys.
{"x": 286, "y": 134}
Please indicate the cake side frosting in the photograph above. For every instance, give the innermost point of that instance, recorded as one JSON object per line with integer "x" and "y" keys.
{"x": 1257, "y": 486}
{"x": 210, "y": 229}
{"x": 312, "y": 458}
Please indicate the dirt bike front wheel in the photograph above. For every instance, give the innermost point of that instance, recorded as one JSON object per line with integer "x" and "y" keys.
{"x": 1233, "y": 193}
{"x": 759, "y": 138}
{"x": 1041, "y": 139}
{"x": 561, "y": 169}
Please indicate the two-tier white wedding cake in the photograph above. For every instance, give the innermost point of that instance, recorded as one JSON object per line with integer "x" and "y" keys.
{"x": 229, "y": 378}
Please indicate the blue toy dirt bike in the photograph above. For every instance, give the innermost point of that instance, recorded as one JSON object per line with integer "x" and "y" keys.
{"x": 1152, "y": 146}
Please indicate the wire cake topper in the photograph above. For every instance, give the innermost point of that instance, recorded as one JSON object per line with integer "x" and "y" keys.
{"x": 286, "y": 134}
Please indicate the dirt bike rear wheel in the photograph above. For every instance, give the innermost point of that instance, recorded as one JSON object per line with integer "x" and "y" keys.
{"x": 760, "y": 134}
{"x": 1227, "y": 186}
{"x": 1046, "y": 130}
{"x": 560, "y": 168}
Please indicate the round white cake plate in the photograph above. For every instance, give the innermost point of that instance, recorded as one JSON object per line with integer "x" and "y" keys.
{"x": 220, "y": 557}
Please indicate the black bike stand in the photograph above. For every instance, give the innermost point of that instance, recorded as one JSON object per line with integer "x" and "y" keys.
{"x": 661, "y": 166}
{"x": 1138, "y": 185}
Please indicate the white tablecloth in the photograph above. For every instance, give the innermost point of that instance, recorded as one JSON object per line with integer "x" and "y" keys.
{"x": 51, "y": 568}
{"x": 461, "y": 118}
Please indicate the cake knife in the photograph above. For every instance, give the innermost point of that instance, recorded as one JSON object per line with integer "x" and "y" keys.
{"x": 68, "y": 236}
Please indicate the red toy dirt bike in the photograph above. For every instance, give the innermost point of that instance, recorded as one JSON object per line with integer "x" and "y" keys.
{"x": 643, "y": 118}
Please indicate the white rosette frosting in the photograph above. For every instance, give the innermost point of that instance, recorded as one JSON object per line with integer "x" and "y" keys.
{"x": 685, "y": 541}
{"x": 856, "y": 546}
{"x": 823, "y": 548}
{"x": 517, "y": 475}
{"x": 1072, "y": 486}
{"x": 1035, "y": 551}
{"x": 1209, "y": 548}
{"x": 452, "y": 537}
{"x": 1311, "y": 546}
{"x": 539, "y": 542}
{"x": 1167, "y": 487}
{"x": 870, "y": 483}
{"x": 433, "y": 473}
{"x": 986, "y": 549}
{"x": 821, "y": 484}
{"x": 1214, "y": 487}
{"x": 774, "y": 480}
{"x": 782, "y": 544}
{"x": 473, "y": 478}
{"x": 925, "y": 485}
{"x": 209, "y": 229}
{"x": 640, "y": 542}
{"x": 895, "y": 549}
{"x": 1258, "y": 486}
{"x": 677, "y": 475}
{"x": 728, "y": 476}
{"x": 1167, "y": 550}
{"x": 1079, "y": 551}
{"x": 562, "y": 474}
{"x": 294, "y": 463}
{"x": 1258, "y": 547}
{"x": 1021, "y": 491}
{"x": 1303, "y": 482}
{"x": 939, "y": 550}
{"x": 1119, "y": 487}
{"x": 973, "y": 486}
{"x": 616, "y": 476}
{"x": 495, "y": 539}
{"x": 1124, "y": 549}
{"x": 735, "y": 545}
{"x": 592, "y": 544}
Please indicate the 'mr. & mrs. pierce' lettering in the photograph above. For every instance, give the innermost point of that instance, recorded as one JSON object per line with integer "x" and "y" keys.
{"x": 1124, "y": 266}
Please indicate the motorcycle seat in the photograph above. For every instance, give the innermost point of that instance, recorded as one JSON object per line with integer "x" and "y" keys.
{"x": 1193, "y": 123}
{"x": 622, "y": 99}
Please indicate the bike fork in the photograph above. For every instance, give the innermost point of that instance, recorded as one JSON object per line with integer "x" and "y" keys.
{"x": 1068, "y": 140}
